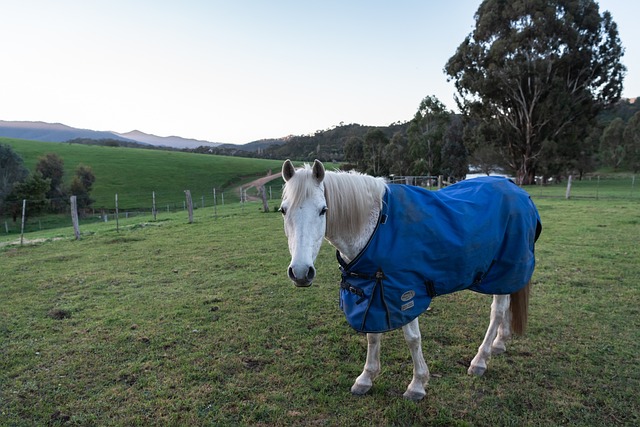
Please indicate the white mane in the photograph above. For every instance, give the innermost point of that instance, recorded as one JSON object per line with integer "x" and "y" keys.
{"x": 350, "y": 196}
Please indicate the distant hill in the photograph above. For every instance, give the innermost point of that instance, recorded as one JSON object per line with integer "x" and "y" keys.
{"x": 254, "y": 146}
{"x": 166, "y": 141}
{"x": 57, "y": 132}
{"x": 327, "y": 145}
{"x": 135, "y": 173}
{"x": 52, "y": 132}
{"x": 625, "y": 109}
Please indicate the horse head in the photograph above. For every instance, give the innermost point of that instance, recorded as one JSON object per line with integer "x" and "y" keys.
{"x": 304, "y": 209}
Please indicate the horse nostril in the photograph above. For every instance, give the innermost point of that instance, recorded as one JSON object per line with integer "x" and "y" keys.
{"x": 300, "y": 277}
{"x": 311, "y": 274}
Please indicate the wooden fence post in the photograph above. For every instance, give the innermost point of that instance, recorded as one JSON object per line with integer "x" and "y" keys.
{"x": 24, "y": 213}
{"x": 265, "y": 205}
{"x": 74, "y": 217}
{"x": 567, "y": 195}
{"x": 189, "y": 205}
{"x": 117, "y": 215}
{"x": 215, "y": 203}
{"x": 153, "y": 209}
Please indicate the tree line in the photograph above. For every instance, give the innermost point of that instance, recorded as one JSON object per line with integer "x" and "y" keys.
{"x": 44, "y": 188}
{"x": 439, "y": 142}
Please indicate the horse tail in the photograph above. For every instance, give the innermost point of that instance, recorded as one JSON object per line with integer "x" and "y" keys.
{"x": 519, "y": 308}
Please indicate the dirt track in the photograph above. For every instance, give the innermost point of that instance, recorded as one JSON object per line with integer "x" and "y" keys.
{"x": 257, "y": 184}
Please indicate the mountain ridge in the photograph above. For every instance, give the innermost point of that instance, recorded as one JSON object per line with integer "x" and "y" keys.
{"x": 58, "y": 132}
{"x": 167, "y": 141}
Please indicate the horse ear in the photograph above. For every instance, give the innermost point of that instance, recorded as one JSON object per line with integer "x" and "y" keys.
{"x": 287, "y": 170}
{"x": 318, "y": 170}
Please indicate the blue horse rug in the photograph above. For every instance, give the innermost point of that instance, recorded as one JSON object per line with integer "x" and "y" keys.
{"x": 478, "y": 234}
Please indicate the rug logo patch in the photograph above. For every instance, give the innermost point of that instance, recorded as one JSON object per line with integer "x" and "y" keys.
{"x": 407, "y": 306}
{"x": 407, "y": 295}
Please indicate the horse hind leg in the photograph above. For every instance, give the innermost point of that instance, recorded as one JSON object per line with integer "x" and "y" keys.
{"x": 371, "y": 370}
{"x": 509, "y": 315}
{"x": 498, "y": 321}
{"x": 499, "y": 344}
{"x": 415, "y": 390}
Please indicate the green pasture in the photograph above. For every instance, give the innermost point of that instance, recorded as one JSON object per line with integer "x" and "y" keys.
{"x": 135, "y": 173}
{"x": 594, "y": 185}
{"x": 169, "y": 323}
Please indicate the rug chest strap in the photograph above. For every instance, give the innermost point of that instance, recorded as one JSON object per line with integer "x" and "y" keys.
{"x": 431, "y": 288}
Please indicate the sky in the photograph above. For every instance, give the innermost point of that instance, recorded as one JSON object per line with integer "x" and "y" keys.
{"x": 236, "y": 71}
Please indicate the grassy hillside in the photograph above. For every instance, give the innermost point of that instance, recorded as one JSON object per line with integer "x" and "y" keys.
{"x": 135, "y": 173}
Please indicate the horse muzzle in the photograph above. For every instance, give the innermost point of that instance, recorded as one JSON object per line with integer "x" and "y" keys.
{"x": 302, "y": 277}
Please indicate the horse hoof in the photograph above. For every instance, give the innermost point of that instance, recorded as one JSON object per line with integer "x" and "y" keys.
{"x": 476, "y": 370}
{"x": 414, "y": 395}
{"x": 360, "y": 390}
{"x": 498, "y": 350}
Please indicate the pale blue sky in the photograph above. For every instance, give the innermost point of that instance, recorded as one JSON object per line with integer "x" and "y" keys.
{"x": 236, "y": 71}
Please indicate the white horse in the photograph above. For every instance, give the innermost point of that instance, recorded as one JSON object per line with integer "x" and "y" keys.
{"x": 343, "y": 208}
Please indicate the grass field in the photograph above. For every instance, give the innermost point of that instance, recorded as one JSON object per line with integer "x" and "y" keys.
{"x": 135, "y": 173}
{"x": 169, "y": 323}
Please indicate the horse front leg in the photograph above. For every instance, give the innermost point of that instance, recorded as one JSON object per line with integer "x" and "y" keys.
{"x": 371, "y": 370}
{"x": 412, "y": 336}
{"x": 496, "y": 335}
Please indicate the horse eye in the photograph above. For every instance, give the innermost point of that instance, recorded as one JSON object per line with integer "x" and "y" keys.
{"x": 323, "y": 211}
{"x": 283, "y": 211}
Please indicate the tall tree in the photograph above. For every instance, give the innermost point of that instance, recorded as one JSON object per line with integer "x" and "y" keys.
{"x": 533, "y": 68}
{"x": 12, "y": 171}
{"x": 586, "y": 158}
{"x": 426, "y": 133}
{"x": 375, "y": 143}
{"x": 631, "y": 137}
{"x": 34, "y": 190}
{"x": 353, "y": 152}
{"x": 397, "y": 154}
{"x": 612, "y": 147}
{"x": 486, "y": 159}
{"x": 51, "y": 167}
{"x": 455, "y": 157}
{"x": 82, "y": 184}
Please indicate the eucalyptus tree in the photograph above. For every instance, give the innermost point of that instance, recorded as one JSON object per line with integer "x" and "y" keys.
{"x": 354, "y": 152}
{"x": 82, "y": 184}
{"x": 612, "y": 146}
{"x": 631, "y": 136}
{"x": 426, "y": 134}
{"x": 454, "y": 154}
{"x": 33, "y": 189}
{"x": 375, "y": 144}
{"x": 537, "y": 71}
{"x": 397, "y": 154}
{"x": 51, "y": 167}
{"x": 12, "y": 171}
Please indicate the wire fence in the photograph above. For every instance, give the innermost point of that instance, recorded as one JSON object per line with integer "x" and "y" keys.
{"x": 31, "y": 217}
{"x": 595, "y": 187}
{"x": 159, "y": 206}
